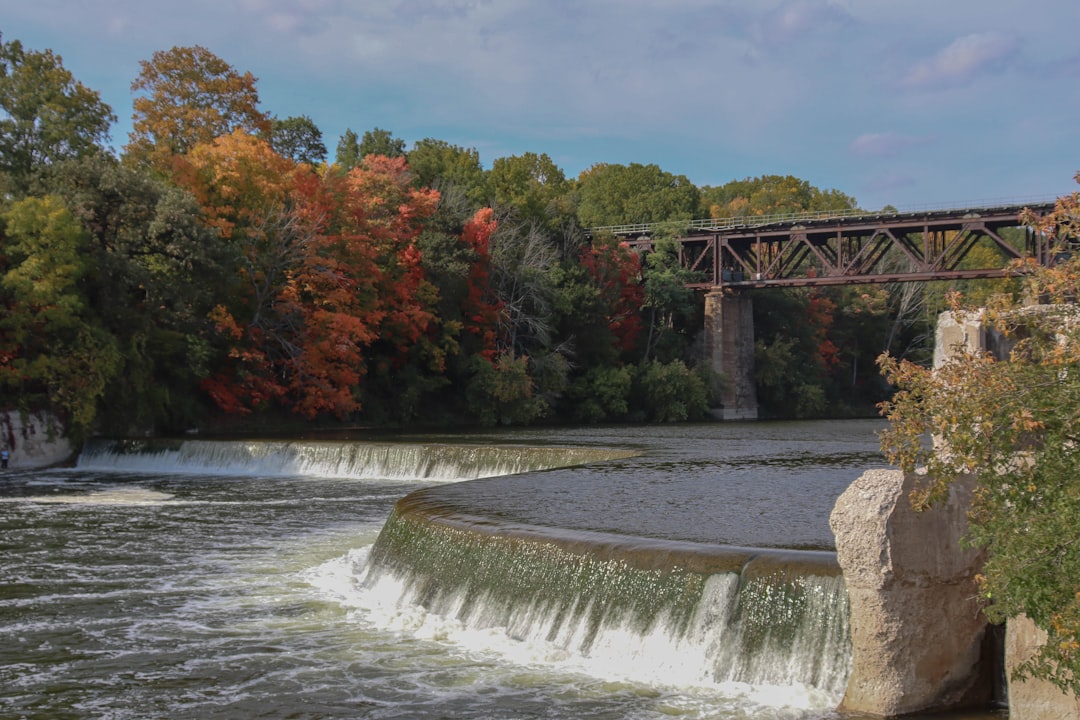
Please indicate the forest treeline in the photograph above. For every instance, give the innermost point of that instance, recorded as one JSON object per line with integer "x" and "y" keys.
{"x": 224, "y": 264}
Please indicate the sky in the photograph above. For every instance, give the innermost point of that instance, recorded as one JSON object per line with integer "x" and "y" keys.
{"x": 912, "y": 103}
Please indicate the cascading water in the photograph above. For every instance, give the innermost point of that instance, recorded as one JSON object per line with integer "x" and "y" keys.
{"x": 356, "y": 460}
{"x": 646, "y": 610}
{"x": 200, "y": 578}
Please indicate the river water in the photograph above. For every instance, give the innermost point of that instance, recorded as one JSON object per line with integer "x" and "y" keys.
{"x": 218, "y": 589}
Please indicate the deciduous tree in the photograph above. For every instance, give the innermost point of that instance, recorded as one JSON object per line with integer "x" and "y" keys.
{"x": 187, "y": 96}
{"x": 297, "y": 138}
{"x": 770, "y": 195}
{"x": 332, "y": 285}
{"x": 47, "y": 115}
{"x": 158, "y": 269}
{"x": 381, "y": 142}
{"x": 445, "y": 167}
{"x": 52, "y": 351}
{"x": 634, "y": 193}
{"x": 534, "y": 187}
{"x": 347, "y": 155}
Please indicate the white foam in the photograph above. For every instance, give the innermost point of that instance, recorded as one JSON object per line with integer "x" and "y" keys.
{"x": 620, "y": 654}
{"x": 107, "y": 496}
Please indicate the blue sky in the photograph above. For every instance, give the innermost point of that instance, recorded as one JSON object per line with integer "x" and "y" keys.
{"x": 914, "y": 103}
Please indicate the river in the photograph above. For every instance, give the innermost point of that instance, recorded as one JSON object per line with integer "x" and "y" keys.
{"x": 212, "y": 588}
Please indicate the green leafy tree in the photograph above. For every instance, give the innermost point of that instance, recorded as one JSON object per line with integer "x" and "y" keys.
{"x": 46, "y": 115}
{"x": 671, "y": 307}
{"x": 347, "y": 156}
{"x": 601, "y": 394}
{"x": 634, "y": 193}
{"x": 52, "y": 351}
{"x": 297, "y": 138}
{"x": 503, "y": 392}
{"x": 533, "y": 187}
{"x": 157, "y": 272}
{"x": 770, "y": 195}
{"x": 1012, "y": 424}
{"x": 381, "y": 142}
{"x": 449, "y": 169}
{"x": 670, "y": 392}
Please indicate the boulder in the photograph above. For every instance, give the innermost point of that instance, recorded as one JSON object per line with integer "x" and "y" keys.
{"x": 917, "y": 628}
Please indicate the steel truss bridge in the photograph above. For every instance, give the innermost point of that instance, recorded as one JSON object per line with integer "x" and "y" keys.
{"x": 850, "y": 247}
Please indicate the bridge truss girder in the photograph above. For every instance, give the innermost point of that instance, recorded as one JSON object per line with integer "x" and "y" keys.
{"x": 878, "y": 249}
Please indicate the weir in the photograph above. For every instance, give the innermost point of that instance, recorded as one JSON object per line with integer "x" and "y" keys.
{"x": 340, "y": 459}
{"x": 691, "y": 612}
{"x": 676, "y": 612}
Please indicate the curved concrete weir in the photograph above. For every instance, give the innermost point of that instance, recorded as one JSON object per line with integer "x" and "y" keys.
{"x": 718, "y": 613}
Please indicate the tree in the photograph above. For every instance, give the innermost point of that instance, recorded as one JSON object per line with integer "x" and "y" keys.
{"x": 449, "y": 168}
{"x": 297, "y": 138}
{"x": 52, "y": 352}
{"x": 627, "y": 194}
{"x": 521, "y": 263}
{"x": 1012, "y": 423}
{"x": 188, "y": 96}
{"x": 157, "y": 272}
{"x": 668, "y": 301}
{"x": 348, "y": 154}
{"x": 381, "y": 142}
{"x": 481, "y": 307}
{"x": 770, "y": 195}
{"x": 533, "y": 186}
{"x": 331, "y": 284}
{"x": 48, "y": 115}
{"x": 597, "y": 302}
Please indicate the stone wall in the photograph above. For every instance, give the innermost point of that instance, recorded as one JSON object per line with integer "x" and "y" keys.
{"x": 34, "y": 440}
{"x": 917, "y": 630}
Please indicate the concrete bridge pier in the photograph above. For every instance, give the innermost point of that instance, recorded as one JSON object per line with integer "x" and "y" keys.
{"x": 729, "y": 343}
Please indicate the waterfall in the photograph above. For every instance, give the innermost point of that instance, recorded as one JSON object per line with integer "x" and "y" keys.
{"x": 344, "y": 459}
{"x": 670, "y": 611}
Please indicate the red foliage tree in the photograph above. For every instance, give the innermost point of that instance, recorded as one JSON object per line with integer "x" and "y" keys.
{"x": 329, "y": 269}
{"x": 480, "y": 309}
{"x": 616, "y": 269}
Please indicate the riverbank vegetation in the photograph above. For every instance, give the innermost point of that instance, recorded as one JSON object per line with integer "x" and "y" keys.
{"x": 1012, "y": 422}
{"x": 224, "y": 268}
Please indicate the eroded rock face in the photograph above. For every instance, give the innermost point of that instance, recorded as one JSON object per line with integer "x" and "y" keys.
{"x": 916, "y": 624}
{"x": 34, "y": 440}
{"x": 1033, "y": 699}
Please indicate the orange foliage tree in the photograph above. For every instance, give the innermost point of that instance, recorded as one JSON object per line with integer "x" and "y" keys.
{"x": 327, "y": 269}
{"x": 189, "y": 96}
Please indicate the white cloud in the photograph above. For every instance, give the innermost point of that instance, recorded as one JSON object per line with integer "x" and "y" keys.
{"x": 797, "y": 19}
{"x": 963, "y": 61}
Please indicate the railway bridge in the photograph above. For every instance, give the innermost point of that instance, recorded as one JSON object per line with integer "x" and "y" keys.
{"x": 733, "y": 256}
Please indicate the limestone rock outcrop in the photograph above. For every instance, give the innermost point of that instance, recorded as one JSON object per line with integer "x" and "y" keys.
{"x": 34, "y": 440}
{"x": 917, "y": 629}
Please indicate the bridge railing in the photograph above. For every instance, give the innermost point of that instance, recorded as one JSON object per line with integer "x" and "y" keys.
{"x": 753, "y": 221}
